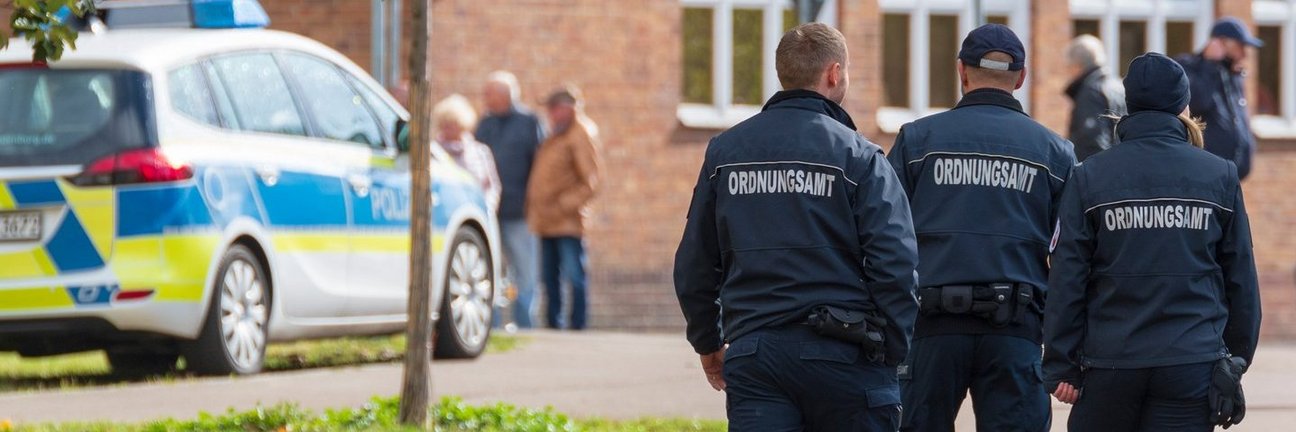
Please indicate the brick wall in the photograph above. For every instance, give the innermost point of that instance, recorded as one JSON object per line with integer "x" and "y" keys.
{"x": 626, "y": 55}
{"x": 626, "y": 58}
{"x": 1051, "y": 29}
{"x": 1272, "y": 209}
{"x": 861, "y": 23}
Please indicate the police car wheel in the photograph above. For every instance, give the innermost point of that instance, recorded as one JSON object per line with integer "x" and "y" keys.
{"x": 233, "y": 338}
{"x": 466, "y": 306}
{"x": 136, "y": 363}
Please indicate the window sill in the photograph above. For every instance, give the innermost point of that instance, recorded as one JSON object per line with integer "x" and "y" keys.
{"x": 699, "y": 116}
{"x": 1273, "y": 127}
{"x": 890, "y": 119}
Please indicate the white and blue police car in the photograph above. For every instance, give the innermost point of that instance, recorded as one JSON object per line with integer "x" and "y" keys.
{"x": 186, "y": 182}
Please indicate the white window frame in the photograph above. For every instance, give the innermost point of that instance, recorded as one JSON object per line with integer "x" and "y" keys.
{"x": 1155, "y": 13}
{"x": 1018, "y": 12}
{"x": 722, "y": 113}
{"x": 1279, "y": 13}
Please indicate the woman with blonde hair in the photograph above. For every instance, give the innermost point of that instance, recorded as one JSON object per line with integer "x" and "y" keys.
{"x": 1153, "y": 310}
{"x": 453, "y": 118}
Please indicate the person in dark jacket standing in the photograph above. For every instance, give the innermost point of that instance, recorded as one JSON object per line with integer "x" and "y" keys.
{"x": 1094, "y": 95}
{"x": 1153, "y": 280}
{"x": 796, "y": 219}
{"x": 984, "y": 181}
{"x": 514, "y": 133}
{"x": 1218, "y": 98}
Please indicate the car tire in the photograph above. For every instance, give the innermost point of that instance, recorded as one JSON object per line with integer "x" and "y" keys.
{"x": 466, "y": 305}
{"x": 138, "y": 363}
{"x": 234, "y": 334}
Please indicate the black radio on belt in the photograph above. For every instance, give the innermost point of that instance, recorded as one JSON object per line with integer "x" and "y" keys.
{"x": 855, "y": 326}
{"x": 999, "y": 303}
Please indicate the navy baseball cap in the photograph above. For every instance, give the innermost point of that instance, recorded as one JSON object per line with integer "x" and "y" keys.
{"x": 1232, "y": 28}
{"x": 989, "y": 38}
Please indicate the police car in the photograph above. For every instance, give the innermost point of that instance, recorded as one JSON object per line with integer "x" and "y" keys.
{"x": 181, "y": 185}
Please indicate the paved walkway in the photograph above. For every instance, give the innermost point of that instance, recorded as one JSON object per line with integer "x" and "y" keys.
{"x": 593, "y": 374}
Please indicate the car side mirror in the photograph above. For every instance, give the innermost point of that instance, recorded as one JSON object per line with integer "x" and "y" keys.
{"x": 402, "y": 136}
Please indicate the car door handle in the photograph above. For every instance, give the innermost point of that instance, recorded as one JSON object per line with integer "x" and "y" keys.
{"x": 360, "y": 184}
{"x": 269, "y": 175}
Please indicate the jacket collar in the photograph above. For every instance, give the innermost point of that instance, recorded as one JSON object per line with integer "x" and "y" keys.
{"x": 991, "y": 96}
{"x": 1074, "y": 89}
{"x": 812, "y": 101}
{"x": 1151, "y": 124}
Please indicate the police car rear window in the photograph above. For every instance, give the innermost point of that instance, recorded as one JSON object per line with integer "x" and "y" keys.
{"x": 63, "y": 117}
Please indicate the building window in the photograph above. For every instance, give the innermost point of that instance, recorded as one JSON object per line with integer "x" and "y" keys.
{"x": 1275, "y": 93}
{"x": 895, "y": 60}
{"x": 1130, "y": 28}
{"x": 1269, "y": 71}
{"x": 920, "y": 43}
{"x": 728, "y": 48}
{"x": 1132, "y": 40}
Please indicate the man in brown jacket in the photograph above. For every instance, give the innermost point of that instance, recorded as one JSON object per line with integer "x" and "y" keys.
{"x": 564, "y": 178}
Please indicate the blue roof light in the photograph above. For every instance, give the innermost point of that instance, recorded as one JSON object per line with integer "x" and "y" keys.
{"x": 229, "y": 14}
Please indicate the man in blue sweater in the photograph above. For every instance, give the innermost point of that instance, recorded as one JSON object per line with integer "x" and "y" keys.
{"x": 513, "y": 133}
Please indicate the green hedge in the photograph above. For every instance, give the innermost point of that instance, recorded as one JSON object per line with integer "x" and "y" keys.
{"x": 380, "y": 414}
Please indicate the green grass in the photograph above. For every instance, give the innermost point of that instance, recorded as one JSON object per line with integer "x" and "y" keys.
{"x": 87, "y": 369}
{"x": 380, "y": 414}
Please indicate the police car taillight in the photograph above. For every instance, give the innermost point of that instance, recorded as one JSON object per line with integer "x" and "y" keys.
{"x": 133, "y": 166}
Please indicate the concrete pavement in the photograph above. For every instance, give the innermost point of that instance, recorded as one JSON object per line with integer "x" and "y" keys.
{"x": 584, "y": 375}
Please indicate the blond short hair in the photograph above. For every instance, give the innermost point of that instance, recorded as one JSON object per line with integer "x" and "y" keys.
{"x": 1002, "y": 79}
{"x": 454, "y": 109}
{"x": 804, "y": 53}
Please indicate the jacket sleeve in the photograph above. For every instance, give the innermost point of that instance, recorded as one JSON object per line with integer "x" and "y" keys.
{"x": 698, "y": 268}
{"x": 889, "y": 248}
{"x": 1241, "y": 289}
{"x": 1058, "y": 187}
{"x": 589, "y": 170}
{"x": 1065, "y": 309}
{"x": 1204, "y": 84}
{"x": 899, "y": 161}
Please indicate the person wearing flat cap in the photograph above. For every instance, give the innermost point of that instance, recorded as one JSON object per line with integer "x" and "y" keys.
{"x": 983, "y": 180}
{"x": 1219, "y": 99}
{"x": 1153, "y": 310}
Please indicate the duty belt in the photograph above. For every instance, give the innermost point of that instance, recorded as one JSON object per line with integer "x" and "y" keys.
{"x": 999, "y": 303}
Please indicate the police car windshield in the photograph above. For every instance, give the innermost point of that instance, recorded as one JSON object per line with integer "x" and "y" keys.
{"x": 65, "y": 117}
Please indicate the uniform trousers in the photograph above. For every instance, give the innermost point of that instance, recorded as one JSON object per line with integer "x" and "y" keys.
{"x": 1002, "y": 373}
{"x": 789, "y": 379}
{"x": 1171, "y": 398}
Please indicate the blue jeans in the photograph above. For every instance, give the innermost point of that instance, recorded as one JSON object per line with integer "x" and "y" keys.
{"x": 1002, "y": 373}
{"x": 1171, "y": 398}
{"x": 789, "y": 379}
{"x": 564, "y": 256}
{"x": 520, "y": 250}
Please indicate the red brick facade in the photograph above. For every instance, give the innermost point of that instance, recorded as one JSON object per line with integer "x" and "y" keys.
{"x": 627, "y": 57}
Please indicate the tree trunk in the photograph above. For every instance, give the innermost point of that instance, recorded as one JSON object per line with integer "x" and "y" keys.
{"x": 417, "y": 387}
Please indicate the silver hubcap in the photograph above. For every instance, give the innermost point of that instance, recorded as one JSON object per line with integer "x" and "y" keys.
{"x": 243, "y": 314}
{"x": 470, "y": 294}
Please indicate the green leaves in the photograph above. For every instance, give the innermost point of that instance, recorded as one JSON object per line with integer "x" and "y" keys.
{"x": 38, "y": 22}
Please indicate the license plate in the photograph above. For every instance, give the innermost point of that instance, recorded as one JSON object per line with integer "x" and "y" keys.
{"x": 18, "y": 226}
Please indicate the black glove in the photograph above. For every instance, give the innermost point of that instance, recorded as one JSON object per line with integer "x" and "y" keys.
{"x": 1227, "y": 404}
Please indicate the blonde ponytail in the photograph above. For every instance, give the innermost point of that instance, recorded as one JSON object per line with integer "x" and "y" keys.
{"x": 1195, "y": 128}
